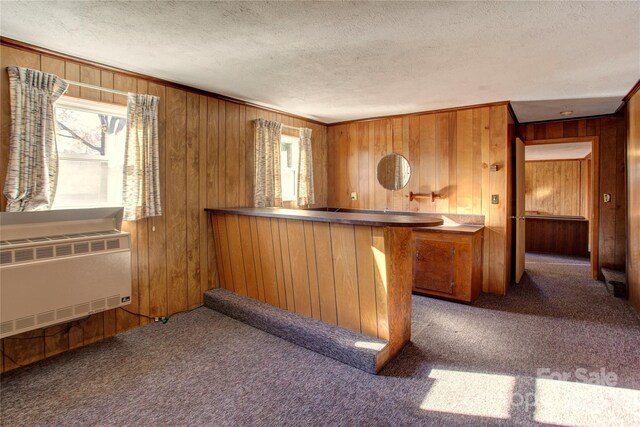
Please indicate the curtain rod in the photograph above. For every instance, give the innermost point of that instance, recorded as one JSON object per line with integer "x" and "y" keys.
{"x": 103, "y": 89}
{"x": 291, "y": 127}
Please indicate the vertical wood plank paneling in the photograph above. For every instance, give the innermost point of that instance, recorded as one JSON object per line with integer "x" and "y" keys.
{"x": 176, "y": 206}
{"x": 277, "y": 256}
{"x": 485, "y": 144}
{"x": 299, "y": 267}
{"x": 366, "y": 281}
{"x": 464, "y": 162}
{"x": 250, "y": 150}
{"x": 232, "y": 177}
{"x": 286, "y": 265}
{"x": 91, "y": 76}
{"x": 477, "y": 166}
{"x": 363, "y": 164}
{"x": 224, "y": 259}
{"x": 206, "y": 268}
{"x": 194, "y": 292}
{"x": 414, "y": 159}
{"x": 218, "y": 229}
{"x": 267, "y": 261}
{"x": 257, "y": 259}
{"x": 72, "y": 72}
{"x": 345, "y": 275}
{"x": 443, "y": 146}
{"x": 246, "y": 243}
{"x": 106, "y": 81}
{"x": 56, "y": 339}
{"x": 452, "y": 193}
{"x": 236, "y": 254}
{"x": 314, "y": 290}
{"x": 212, "y": 181}
{"x": 158, "y": 305}
{"x": 325, "y": 269}
{"x": 498, "y": 280}
{"x": 381, "y": 284}
{"x": 427, "y": 159}
{"x": 222, "y": 155}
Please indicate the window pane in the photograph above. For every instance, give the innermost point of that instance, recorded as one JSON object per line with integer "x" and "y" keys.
{"x": 289, "y": 155}
{"x": 91, "y": 146}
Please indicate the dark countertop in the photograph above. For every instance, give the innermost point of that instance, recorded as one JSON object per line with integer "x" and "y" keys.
{"x": 556, "y": 217}
{"x": 460, "y": 229}
{"x": 373, "y": 219}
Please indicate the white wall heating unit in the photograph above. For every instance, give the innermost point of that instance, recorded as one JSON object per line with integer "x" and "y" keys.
{"x": 61, "y": 265}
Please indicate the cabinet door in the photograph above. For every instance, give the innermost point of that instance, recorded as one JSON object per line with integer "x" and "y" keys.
{"x": 433, "y": 266}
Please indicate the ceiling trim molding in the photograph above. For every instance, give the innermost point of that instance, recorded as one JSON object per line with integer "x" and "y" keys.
{"x": 420, "y": 113}
{"x": 632, "y": 92}
{"x": 17, "y": 44}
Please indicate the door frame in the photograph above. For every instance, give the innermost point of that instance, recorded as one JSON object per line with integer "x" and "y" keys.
{"x": 594, "y": 219}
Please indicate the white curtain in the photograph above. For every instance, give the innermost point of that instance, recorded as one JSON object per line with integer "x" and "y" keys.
{"x": 306, "y": 194}
{"x": 267, "y": 191}
{"x": 141, "y": 187}
{"x": 32, "y": 171}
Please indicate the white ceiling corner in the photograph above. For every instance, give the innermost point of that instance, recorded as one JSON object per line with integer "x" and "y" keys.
{"x": 336, "y": 61}
{"x": 564, "y": 151}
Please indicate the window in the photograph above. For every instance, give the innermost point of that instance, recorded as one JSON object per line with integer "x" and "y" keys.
{"x": 289, "y": 157}
{"x": 91, "y": 138}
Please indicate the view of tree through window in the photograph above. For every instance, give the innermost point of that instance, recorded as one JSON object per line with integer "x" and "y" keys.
{"x": 91, "y": 139}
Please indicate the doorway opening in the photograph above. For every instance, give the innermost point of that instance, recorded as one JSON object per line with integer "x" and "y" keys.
{"x": 557, "y": 199}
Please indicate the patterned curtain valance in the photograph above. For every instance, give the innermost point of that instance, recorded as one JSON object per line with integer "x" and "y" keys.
{"x": 141, "y": 187}
{"x": 32, "y": 170}
{"x": 267, "y": 191}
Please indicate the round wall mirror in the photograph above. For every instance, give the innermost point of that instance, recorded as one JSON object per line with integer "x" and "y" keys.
{"x": 393, "y": 171}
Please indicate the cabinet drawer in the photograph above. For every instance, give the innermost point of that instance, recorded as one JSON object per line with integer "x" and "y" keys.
{"x": 433, "y": 266}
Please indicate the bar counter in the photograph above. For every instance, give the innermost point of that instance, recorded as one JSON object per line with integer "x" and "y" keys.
{"x": 355, "y": 218}
{"x": 353, "y": 270}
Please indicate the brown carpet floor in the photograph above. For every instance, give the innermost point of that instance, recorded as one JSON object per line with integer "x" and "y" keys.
{"x": 485, "y": 364}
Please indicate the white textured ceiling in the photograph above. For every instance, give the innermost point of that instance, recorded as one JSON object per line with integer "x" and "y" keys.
{"x": 339, "y": 61}
{"x": 565, "y": 151}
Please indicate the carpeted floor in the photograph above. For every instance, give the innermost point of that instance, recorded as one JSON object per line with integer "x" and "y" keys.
{"x": 466, "y": 365}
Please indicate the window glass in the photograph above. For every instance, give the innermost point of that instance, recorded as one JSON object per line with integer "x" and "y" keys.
{"x": 289, "y": 156}
{"x": 91, "y": 138}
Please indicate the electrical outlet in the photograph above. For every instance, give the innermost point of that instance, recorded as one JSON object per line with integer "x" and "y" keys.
{"x": 354, "y": 196}
{"x": 495, "y": 199}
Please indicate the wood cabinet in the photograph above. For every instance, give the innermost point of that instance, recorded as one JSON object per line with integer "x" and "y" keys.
{"x": 447, "y": 262}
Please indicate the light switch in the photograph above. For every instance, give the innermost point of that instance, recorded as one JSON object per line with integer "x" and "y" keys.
{"x": 495, "y": 199}
{"x": 354, "y": 196}
{"x": 607, "y": 197}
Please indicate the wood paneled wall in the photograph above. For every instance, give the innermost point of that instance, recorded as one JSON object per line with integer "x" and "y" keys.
{"x": 206, "y": 156}
{"x": 450, "y": 153}
{"x": 611, "y": 133}
{"x": 633, "y": 185}
{"x": 322, "y": 270}
{"x": 557, "y": 187}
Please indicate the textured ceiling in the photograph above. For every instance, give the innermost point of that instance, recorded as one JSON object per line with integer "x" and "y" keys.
{"x": 339, "y": 61}
{"x": 568, "y": 151}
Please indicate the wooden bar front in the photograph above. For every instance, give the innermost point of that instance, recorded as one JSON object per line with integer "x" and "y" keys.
{"x": 355, "y": 276}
